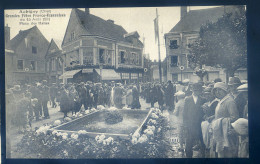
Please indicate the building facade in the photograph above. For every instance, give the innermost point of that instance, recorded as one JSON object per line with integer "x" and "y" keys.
{"x": 184, "y": 33}
{"x": 54, "y": 62}
{"x": 25, "y": 56}
{"x": 96, "y": 47}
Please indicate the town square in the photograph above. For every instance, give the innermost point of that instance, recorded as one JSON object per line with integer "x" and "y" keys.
{"x": 127, "y": 83}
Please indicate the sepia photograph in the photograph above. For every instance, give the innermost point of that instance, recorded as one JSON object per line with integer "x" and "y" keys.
{"x": 126, "y": 82}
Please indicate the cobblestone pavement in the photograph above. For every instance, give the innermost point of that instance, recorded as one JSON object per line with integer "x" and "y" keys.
{"x": 171, "y": 136}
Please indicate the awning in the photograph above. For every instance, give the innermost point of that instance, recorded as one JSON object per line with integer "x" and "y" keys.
{"x": 69, "y": 74}
{"x": 87, "y": 71}
{"x": 109, "y": 74}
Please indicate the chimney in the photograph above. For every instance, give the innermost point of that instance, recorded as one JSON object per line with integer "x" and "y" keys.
{"x": 184, "y": 11}
{"x": 7, "y": 34}
{"x": 86, "y": 11}
{"x": 111, "y": 21}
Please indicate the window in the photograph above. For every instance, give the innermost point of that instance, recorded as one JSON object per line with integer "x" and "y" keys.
{"x": 59, "y": 63}
{"x": 20, "y": 64}
{"x": 101, "y": 55}
{"x": 33, "y": 65}
{"x": 173, "y": 44}
{"x": 122, "y": 56}
{"x": 34, "y": 50}
{"x": 87, "y": 56}
{"x": 133, "y": 58}
{"x": 174, "y": 61}
{"x": 109, "y": 57}
{"x": 48, "y": 66}
{"x": 72, "y": 35}
{"x": 53, "y": 64}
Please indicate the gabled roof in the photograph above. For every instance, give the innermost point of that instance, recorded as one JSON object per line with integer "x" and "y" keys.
{"x": 53, "y": 48}
{"x": 98, "y": 26}
{"x": 13, "y": 43}
{"x": 196, "y": 18}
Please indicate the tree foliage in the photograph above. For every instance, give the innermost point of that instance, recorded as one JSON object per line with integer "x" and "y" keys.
{"x": 222, "y": 44}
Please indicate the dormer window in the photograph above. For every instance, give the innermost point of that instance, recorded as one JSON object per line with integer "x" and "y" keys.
{"x": 34, "y": 50}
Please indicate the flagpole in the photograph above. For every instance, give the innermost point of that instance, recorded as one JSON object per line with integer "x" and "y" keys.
{"x": 159, "y": 55}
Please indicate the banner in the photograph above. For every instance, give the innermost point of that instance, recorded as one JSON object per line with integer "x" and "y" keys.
{"x": 156, "y": 29}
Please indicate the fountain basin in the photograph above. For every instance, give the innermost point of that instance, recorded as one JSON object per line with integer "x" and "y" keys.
{"x": 94, "y": 124}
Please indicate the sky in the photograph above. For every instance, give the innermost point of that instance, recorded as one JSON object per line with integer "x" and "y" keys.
{"x": 131, "y": 19}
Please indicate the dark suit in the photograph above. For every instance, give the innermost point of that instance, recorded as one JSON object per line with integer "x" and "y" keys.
{"x": 192, "y": 118}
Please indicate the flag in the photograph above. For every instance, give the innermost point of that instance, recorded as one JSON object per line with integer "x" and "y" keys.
{"x": 156, "y": 29}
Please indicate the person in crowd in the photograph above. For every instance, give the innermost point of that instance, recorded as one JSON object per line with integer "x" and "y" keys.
{"x": 241, "y": 128}
{"x": 187, "y": 87}
{"x": 160, "y": 96}
{"x": 211, "y": 103}
{"x": 64, "y": 101}
{"x": 36, "y": 93}
{"x": 135, "y": 94}
{"x": 192, "y": 118}
{"x": 243, "y": 90}
{"x": 118, "y": 94}
{"x": 169, "y": 95}
{"x": 45, "y": 99}
{"x": 107, "y": 91}
{"x": 178, "y": 112}
{"x": 74, "y": 99}
{"x": 89, "y": 95}
{"x": 36, "y": 106}
{"x": 53, "y": 94}
{"x": 147, "y": 94}
{"x": 225, "y": 113}
{"x": 129, "y": 96}
{"x": 82, "y": 92}
{"x": 209, "y": 115}
{"x": 240, "y": 101}
{"x": 101, "y": 94}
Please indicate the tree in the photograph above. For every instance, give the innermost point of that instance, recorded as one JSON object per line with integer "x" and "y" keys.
{"x": 222, "y": 44}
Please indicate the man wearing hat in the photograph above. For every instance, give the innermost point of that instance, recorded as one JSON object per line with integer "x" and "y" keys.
{"x": 233, "y": 83}
{"x": 226, "y": 146}
{"x": 192, "y": 118}
{"x": 178, "y": 111}
{"x": 53, "y": 94}
{"x": 45, "y": 99}
{"x": 169, "y": 95}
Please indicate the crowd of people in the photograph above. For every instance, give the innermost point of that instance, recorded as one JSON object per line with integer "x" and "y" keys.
{"x": 30, "y": 101}
{"x": 212, "y": 116}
